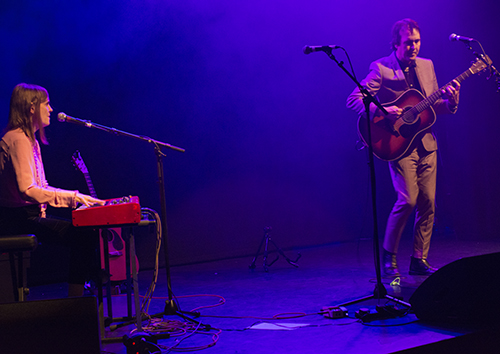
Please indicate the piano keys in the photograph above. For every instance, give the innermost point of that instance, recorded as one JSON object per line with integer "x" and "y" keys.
{"x": 115, "y": 212}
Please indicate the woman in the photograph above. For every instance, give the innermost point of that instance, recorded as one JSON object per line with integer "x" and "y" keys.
{"x": 25, "y": 193}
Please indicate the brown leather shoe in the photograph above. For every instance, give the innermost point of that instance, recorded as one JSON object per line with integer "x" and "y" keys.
{"x": 390, "y": 264}
{"x": 421, "y": 267}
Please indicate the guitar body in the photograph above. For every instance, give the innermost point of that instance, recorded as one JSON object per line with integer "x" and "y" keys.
{"x": 116, "y": 252}
{"x": 391, "y": 141}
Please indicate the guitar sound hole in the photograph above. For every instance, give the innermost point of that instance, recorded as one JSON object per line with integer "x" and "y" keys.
{"x": 408, "y": 117}
{"x": 107, "y": 235}
{"x": 112, "y": 238}
{"x": 117, "y": 241}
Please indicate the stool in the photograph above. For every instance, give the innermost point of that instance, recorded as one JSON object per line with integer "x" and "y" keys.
{"x": 15, "y": 246}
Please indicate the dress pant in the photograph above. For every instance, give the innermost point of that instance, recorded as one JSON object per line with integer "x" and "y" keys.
{"x": 414, "y": 179}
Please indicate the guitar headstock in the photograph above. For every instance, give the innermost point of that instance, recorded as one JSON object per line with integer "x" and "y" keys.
{"x": 480, "y": 64}
{"x": 78, "y": 162}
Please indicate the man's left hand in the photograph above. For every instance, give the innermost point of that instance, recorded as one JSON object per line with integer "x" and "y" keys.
{"x": 452, "y": 92}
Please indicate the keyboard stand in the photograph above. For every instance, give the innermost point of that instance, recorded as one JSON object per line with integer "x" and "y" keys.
{"x": 131, "y": 282}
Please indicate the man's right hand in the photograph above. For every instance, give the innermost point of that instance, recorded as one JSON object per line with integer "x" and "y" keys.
{"x": 393, "y": 113}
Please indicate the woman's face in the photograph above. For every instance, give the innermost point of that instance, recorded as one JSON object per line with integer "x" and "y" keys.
{"x": 45, "y": 110}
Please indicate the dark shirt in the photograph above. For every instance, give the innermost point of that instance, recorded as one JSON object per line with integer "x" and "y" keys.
{"x": 410, "y": 75}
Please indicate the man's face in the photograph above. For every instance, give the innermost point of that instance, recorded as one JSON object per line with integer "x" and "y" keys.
{"x": 410, "y": 45}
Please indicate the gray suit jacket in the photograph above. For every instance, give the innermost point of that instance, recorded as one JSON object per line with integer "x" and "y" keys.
{"x": 386, "y": 81}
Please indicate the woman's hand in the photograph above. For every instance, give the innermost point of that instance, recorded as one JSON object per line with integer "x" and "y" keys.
{"x": 87, "y": 200}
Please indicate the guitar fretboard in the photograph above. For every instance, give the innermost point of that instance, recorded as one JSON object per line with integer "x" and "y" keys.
{"x": 429, "y": 101}
{"x": 90, "y": 185}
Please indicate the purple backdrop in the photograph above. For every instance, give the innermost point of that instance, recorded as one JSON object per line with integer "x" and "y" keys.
{"x": 268, "y": 139}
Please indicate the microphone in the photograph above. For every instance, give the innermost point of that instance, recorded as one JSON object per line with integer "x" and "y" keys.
{"x": 62, "y": 117}
{"x": 319, "y": 48}
{"x": 456, "y": 37}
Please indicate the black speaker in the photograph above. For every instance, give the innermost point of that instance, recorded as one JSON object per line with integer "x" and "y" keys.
{"x": 50, "y": 326}
{"x": 465, "y": 291}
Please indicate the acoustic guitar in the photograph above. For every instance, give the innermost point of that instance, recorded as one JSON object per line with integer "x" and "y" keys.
{"x": 116, "y": 245}
{"x": 391, "y": 140}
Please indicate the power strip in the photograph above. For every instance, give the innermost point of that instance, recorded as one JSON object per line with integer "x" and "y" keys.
{"x": 334, "y": 312}
{"x": 382, "y": 312}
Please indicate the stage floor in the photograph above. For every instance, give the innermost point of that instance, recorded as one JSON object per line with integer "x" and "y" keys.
{"x": 278, "y": 311}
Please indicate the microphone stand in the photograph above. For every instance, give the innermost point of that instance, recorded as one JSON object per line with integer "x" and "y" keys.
{"x": 486, "y": 59}
{"x": 379, "y": 292}
{"x": 171, "y": 307}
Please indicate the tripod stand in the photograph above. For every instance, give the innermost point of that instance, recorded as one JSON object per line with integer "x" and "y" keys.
{"x": 267, "y": 239}
{"x": 379, "y": 292}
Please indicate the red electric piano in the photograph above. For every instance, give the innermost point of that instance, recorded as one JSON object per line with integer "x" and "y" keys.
{"x": 115, "y": 212}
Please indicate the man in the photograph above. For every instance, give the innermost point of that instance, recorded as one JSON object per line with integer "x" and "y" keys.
{"x": 413, "y": 174}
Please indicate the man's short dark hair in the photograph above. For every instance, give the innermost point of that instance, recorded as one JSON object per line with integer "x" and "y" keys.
{"x": 408, "y": 23}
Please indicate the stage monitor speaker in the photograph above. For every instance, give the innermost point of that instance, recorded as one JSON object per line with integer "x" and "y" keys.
{"x": 465, "y": 291}
{"x": 50, "y": 326}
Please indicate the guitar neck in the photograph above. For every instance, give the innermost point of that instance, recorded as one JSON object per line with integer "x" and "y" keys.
{"x": 90, "y": 185}
{"x": 429, "y": 101}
